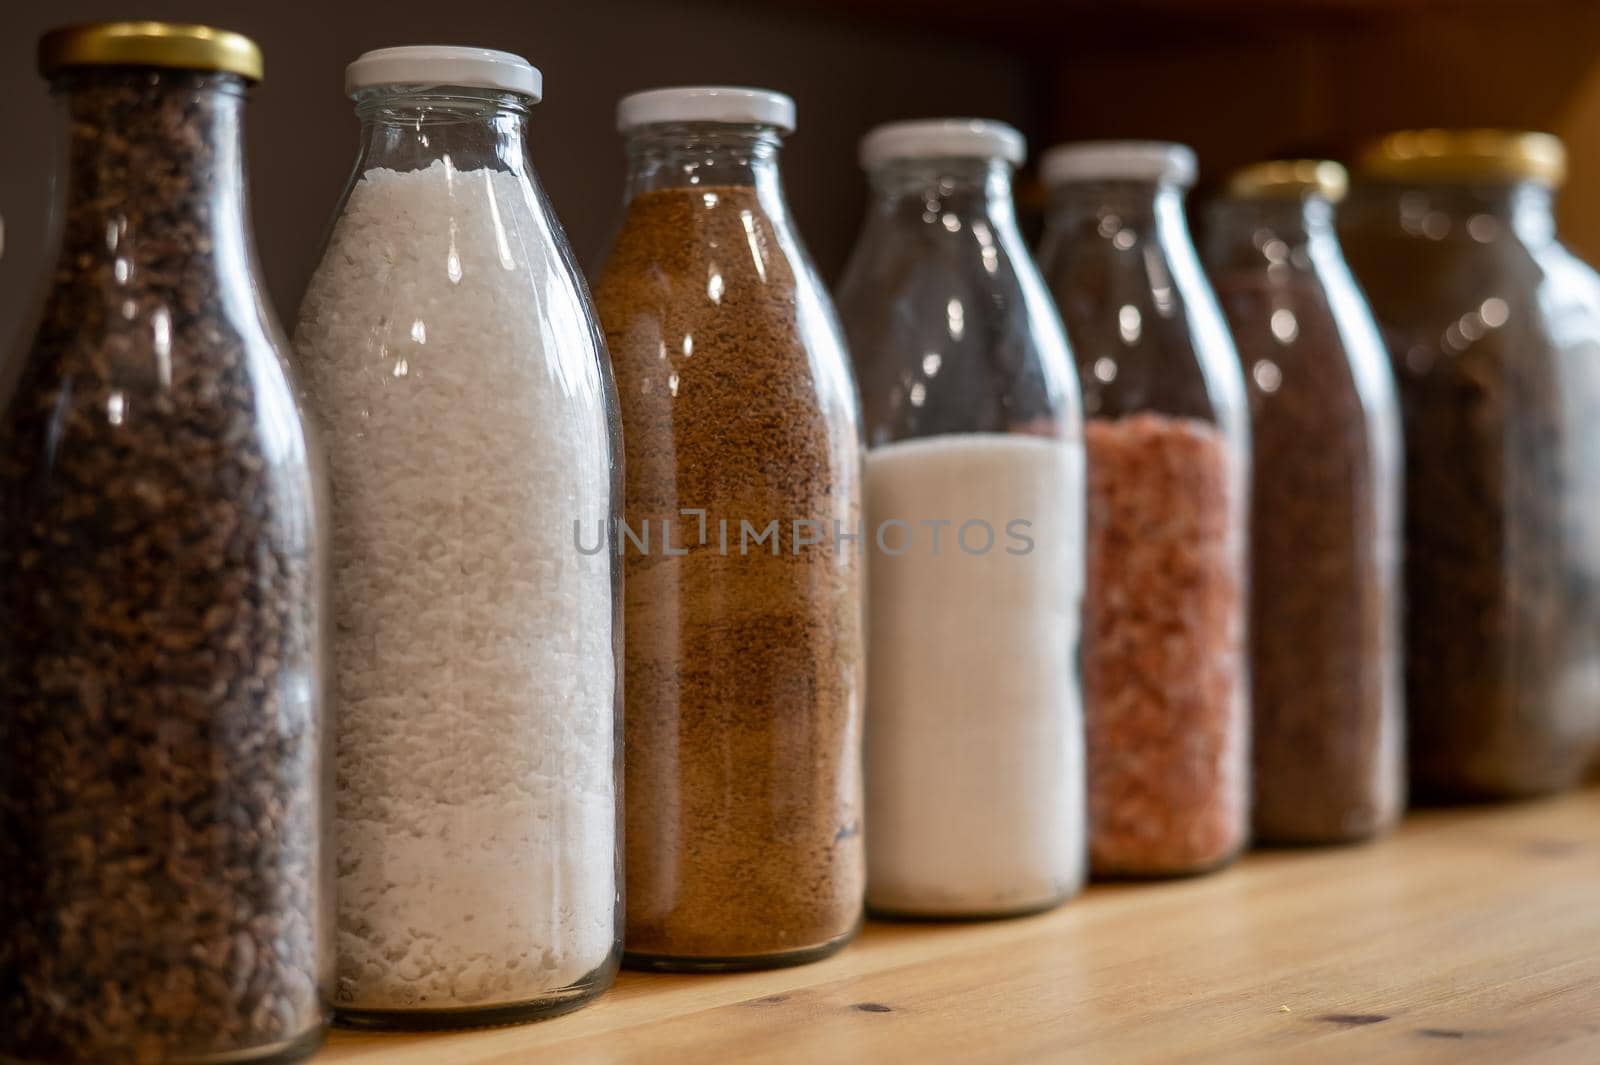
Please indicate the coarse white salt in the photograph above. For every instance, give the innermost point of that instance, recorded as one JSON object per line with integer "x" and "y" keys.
{"x": 974, "y": 733}
{"x": 447, "y": 355}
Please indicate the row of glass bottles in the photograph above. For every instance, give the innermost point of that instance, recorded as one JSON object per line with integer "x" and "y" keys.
{"x": 725, "y": 350}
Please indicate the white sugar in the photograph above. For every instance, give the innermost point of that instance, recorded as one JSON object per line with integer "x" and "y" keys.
{"x": 449, "y": 362}
{"x": 974, "y": 734}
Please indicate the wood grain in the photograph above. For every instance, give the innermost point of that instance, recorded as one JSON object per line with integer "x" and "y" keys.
{"x": 1469, "y": 937}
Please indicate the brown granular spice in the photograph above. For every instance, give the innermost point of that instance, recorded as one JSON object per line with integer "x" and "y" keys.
{"x": 161, "y": 758}
{"x": 1325, "y": 678}
{"x": 743, "y": 671}
{"x": 1163, "y": 673}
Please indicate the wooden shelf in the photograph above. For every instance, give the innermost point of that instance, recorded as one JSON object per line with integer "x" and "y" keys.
{"x": 1468, "y": 937}
{"x": 1064, "y": 26}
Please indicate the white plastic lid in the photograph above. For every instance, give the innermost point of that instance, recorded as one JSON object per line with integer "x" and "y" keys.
{"x": 440, "y": 64}
{"x": 1119, "y": 161}
{"x": 943, "y": 138}
{"x": 706, "y": 103}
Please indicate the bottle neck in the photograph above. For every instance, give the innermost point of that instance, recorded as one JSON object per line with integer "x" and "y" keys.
{"x": 1525, "y": 209}
{"x": 1119, "y": 211}
{"x": 411, "y": 128}
{"x": 188, "y": 128}
{"x": 960, "y": 187}
{"x": 961, "y": 206}
{"x": 1278, "y": 232}
{"x": 692, "y": 155}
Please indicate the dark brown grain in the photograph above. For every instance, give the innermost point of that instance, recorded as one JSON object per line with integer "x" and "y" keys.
{"x": 1323, "y": 546}
{"x": 1502, "y": 531}
{"x": 161, "y": 822}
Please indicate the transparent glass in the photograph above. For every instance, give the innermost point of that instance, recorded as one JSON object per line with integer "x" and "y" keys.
{"x": 1165, "y": 687}
{"x": 451, "y": 356}
{"x": 742, "y": 542}
{"x": 1493, "y": 329}
{"x": 974, "y": 735}
{"x": 164, "y": 851}
{"x": 1325, "y": 523}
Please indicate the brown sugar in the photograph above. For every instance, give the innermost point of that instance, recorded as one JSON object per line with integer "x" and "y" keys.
{"x": 1164, "y": 693}
{"x": 743, "y": 662}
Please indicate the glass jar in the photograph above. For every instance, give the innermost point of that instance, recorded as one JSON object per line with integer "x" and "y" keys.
{"x": 742, "y": 539}
{"x": 163, "y": 846}
{"x": 1325, "y": 510}
{"x": 453, "y": 361}
{"x": 974, "y": 486}
{"x": 1165, "y": 689}
{"x": 1493, "y": 329}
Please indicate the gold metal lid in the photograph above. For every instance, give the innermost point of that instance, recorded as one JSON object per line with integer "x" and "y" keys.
{"x": 1290, "y": 179}
{"x": 1466, "y": 156}
{"x": 149, "y": 44}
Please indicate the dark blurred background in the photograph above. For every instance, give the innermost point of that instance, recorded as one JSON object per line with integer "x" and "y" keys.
{"x": 1238, "y": 79}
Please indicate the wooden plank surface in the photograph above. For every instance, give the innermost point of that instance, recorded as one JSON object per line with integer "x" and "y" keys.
{"x": 1471, "y": 936}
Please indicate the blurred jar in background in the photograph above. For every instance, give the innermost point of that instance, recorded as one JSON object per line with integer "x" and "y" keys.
{"x": 1167, "y": 439}
{"x": 1494, "y": 332}
{"x": 1325, "y": 509}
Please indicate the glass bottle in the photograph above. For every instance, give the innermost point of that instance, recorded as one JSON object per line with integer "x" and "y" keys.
{"x": 974, "y": 736}
{"x": 1325, "y": 509}
{"x": 1165, "y": 688}
{"x": 453, "y": 361}
{"x": 1493, "y": 330}
{"x": 163, "y": 847}
{"x": 742, "y": 541}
